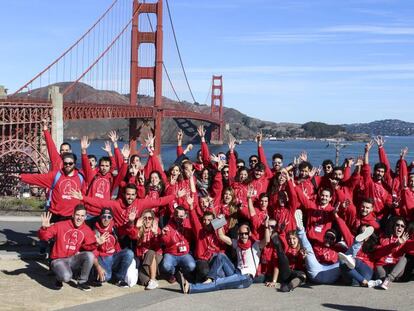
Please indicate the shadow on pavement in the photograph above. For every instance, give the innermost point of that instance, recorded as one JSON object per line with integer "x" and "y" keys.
{"x": 22, "y": 244}
{"x": 351, "y": 308}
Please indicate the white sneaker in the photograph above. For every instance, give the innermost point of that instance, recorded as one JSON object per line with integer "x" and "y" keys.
{"x": 299, "y": 219}
{"x": 374, "y": 283}
{"x": 347, "y": 260}
{"x": 152, "y": 284}
{"x": 385, "y": 284}
{"x": 364, "y": 235}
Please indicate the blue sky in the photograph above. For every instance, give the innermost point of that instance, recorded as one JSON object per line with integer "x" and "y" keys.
{"x": 285, "y": 61}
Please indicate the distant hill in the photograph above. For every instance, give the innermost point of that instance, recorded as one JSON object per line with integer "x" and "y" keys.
{"x": 240, "y": 125}
{"x": 388, "y": 127}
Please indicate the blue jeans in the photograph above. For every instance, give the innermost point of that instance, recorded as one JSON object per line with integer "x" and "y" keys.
{"x": 221, "y": 267}
{"x": 116, "y": 264}
{"x": 360, "y": 273}
{"x": 234, "y": 281}
{"x": 169, "y": 264}
{"x": 318, "y": 273}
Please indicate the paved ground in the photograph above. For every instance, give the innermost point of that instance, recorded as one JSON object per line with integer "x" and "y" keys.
{"x": 26, "y": 285}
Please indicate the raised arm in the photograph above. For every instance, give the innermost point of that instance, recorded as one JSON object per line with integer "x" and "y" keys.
{"x": 262, "y": 155}
{"x": 223, "y": 237}
{"x": 86, "y": 167}
{"x": 54, "y": 156}
{"x": 232, "y": 159}
{"x": 205, "y": 153}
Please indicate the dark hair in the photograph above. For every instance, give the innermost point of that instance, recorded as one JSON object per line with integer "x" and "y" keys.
{"x": 240, "y": 161}
{"x": 69, "y": 155}
{"x": 327, "y": 162}
{"x": 305, "y": 164}
{"x": 369, "y": 245}
{"x": 131, "y": 186}
{"x": 389, "y": 226}
{"x": 132, "y": 158}
{"x": 253, "y": 156}
{"x": 65, "y": 143}
{"x": 161, "y": 185}
{"x": 380, "y": 165}
{"x": 105, "y": 159}
{"x": 79, "y": 207}
{"x": 91, "y": 156}
{"x": 238, "y": 174}
{"x": 338, "y": 168}
{"x": 179, "y": 208}
{"x": 260, "y": 167}
{"x": 326, "y": 189}
{"x": 208, "y": 213}
{"x": 277, "y": 156}
{"x": 180, "y": 177}
{"x": 264, "y": 194}
{"x": 367, "y": 200}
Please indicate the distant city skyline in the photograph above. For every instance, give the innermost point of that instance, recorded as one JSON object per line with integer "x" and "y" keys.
{"x": 284, "y": 61}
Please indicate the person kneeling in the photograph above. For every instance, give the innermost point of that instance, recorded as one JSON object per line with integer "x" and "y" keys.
{"x": 71, "y": 236}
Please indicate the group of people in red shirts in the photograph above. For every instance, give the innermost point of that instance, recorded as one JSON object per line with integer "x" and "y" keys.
{"x": 216, "y": 223}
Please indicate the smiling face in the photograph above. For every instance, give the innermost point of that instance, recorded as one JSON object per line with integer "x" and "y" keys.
{"x": 366, "y": 209}
{"x": 243, "y": 175}
{"x": 227, "y": 197}
{"x": 79, "y": 218}
{"x": 154, "y": 179}
{"x": 130, "y": 195}
{"x": 379, "y": 174}
{"x": 399, "y": 228}
{"x": 264, "y": 203}
{"x": 325, "y": 197}
{"x": 68, "y": 165}
{"x": 338, "y": 174}
{"x": 293, "y": 241}
{"x": 244, "y": 233}
{"x": 277, "y": 164}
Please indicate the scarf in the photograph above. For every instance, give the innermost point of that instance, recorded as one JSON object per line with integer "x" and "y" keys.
{"x": 244, "y": 246}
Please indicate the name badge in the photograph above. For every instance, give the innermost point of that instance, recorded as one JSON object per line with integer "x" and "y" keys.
{"x": 182, "y": 249}
{"x": 318, "y": 229}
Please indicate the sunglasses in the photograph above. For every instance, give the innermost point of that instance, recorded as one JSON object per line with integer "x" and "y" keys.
{"x": 109, "y": 217}
{"x": 272, "y": 226}
{"x": 400, "y": 225}
{"x": 254, "y": 161}
{"x": 243, "y": 233}
{"x": 68, "y": 163}
{"x": 148, "y": 218}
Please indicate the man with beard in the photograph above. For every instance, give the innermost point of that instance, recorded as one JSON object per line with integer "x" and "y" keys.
{"x": 61, "y": 183}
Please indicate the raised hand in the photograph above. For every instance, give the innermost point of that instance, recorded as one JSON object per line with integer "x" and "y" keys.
{"x": 107, "y": 147}
{"x": 369, "y": 145}
{"x": 188, "y": 148}
{"x": 45, "y": 218}
{"x": 131, "y": 217}
{"x": 154, "y": 227}
{"x": 77, "y": 194}
{"x": 190, "y": 201}
{"x": 350, "y": 162}
{"x": 404, "y": 152}
{"x": 232, "y": 144}
{"x": 303, "y": 156}
{"x": 45, "y": 124}
{"x": 360, "y": 161}
{"x": 214, "y": 158}
{"x": 201, "y": 132}
{"x": 165, "y": 230}
{"x": 313, "y": 172}
{"x": 404, "y": 238}
{"x": 126, "y": 151}
{"x": 181, "y": 193}
{"x": 140, "y": 222}
{"x": 113, "y": 136}
{"x": 379, "y": 140}
{"x": 141, "y": 178}
{"x": 84, "y": 143}
{"x": 259, "y": 138}
{"x": 102, "y": 238}
{"x": 180, "y": 136}
{"x": 250, "y": 192}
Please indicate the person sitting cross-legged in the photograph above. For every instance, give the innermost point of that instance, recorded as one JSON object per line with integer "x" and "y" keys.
{"x": 223, "y": 274}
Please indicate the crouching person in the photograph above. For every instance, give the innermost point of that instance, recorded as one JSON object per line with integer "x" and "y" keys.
{"x": 71, "y": 253}
{"x": 111, "y": 263}
{"x": 223, "y": 275}
{"x": 148, "y": 250}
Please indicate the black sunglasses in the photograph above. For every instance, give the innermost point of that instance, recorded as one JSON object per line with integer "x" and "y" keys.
{"x": 68, "y": 163}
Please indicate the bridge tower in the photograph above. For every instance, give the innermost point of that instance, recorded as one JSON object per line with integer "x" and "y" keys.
{"x": 153, "y": 73}
{"x": 217, "y": 109}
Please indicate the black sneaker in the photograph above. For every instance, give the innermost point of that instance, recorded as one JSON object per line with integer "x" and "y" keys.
{"x": 285, "y": 288}
{"x": 85, "y": 287}
{"x": 58, "y": 284}
{"x": 122, "y": 284}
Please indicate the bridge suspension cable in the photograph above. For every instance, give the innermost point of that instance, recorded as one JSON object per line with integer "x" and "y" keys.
{"x": 178, "y": 50}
